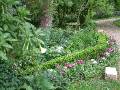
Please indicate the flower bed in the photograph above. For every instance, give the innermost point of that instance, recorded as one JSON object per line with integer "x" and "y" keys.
{"x": 90, "y": 52}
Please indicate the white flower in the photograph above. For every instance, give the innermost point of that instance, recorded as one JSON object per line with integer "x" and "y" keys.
{"x": 59, "y": 49}
{"x": 51, "y": 70}
{"x": 107, "y": 54}
{"x": 94, "y": 62}
{"x": 107, "y": 42}
{"x": 65, "y": 68}
{"x": 43, "y": 50}
{"x": 103, "y": 58}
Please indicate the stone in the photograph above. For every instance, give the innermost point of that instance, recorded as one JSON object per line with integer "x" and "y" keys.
{"x": 111, "y": 73}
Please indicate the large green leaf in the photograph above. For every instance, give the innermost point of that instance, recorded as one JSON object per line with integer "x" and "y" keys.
{"x": 3, "y": 55}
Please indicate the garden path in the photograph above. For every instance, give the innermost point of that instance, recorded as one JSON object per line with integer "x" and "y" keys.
{"x": 106, "y": 25}
{"x": 111, "y": 30}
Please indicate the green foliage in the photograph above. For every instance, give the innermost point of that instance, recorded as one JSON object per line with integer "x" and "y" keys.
{"x": 8, "y": 77}
{"x": 117, "y": 4}
{"x": 81, "y": 40}
{"x": 64, "y": 11}
{"x": 88, "y": 52}
{"x": 57, "y": 36}
{"x": 117, "y": 23}
{"x": 104, "y": 8}
{"x": 20, "y": 44}
{"x": 37, "y": 81}
{"x": 17, "y": 36}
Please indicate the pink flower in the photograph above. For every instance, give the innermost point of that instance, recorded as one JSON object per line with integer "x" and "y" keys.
{"x": 110, "y": 50}
{"x": 80, "y": 62}
{"x": 69, "y": 65}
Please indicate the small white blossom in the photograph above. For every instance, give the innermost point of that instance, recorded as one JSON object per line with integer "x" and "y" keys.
{"x": 94, "y": 62}
{"x": 51, "y": 70}
{"x": 103, "y": 58}
{"x": 59, "y": 49}
{"x": 107, "y": 42}
{"x": 43, "y": 50}
{"x": 65, "y": 68}
{"x": 107, "y": 54}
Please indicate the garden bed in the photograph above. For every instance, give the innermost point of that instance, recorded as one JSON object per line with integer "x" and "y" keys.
{"x": 88, "y": 53}
{"x": 80, "y": 69}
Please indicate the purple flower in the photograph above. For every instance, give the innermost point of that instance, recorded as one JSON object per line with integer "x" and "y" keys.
{"x": 80, "y": 62}
{"x": 110, "y": 50}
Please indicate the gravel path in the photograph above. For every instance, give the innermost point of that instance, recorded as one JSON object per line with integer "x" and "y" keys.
{"x": 111, "y": 30}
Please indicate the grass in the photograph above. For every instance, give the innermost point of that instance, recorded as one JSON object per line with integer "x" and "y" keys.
{"x": 96, "y": 85}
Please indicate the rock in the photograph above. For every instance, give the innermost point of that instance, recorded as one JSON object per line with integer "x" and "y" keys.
{"x": 111, "y": 73}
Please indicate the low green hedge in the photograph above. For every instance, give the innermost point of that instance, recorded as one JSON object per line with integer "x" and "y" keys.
{"x": 90, "y": 52}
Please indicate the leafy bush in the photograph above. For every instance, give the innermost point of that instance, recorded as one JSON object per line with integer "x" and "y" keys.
{"x": 81, "y": 40}
{"x": 57, "y": 36}
{"x": 117, "y": 5}
{"x": 104, "y": 9}
{"x": 8, "y": 77}
{"x": 20, "y": 44}
{"x": 18, "y": 37}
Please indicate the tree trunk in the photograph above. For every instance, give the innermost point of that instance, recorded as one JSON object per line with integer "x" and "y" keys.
{"x": 46, "y": 19}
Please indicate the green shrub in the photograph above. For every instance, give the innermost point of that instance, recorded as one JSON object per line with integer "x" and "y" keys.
{"x": 8, "y": 77}
{"x": 81, "y": 40}
{"x": 18, "y": 38}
